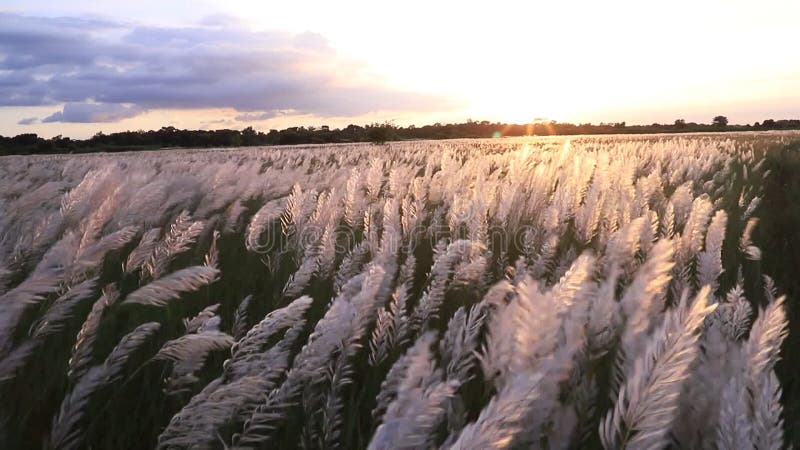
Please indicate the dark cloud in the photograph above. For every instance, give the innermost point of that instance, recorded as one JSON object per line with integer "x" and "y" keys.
{"x": 93, "y": 113}
{"x": 45, "y": 61}
{"x": 28, "y": 121}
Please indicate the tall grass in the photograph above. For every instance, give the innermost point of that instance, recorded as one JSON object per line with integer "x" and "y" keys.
{"x": 538, "y": 293}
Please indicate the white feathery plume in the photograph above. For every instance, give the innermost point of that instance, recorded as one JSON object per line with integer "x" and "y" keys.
{"x": 428, "y": 308}
{"x": 605, "y": 316}
{"x": 767, "y": 410}
{"x": 746, "y": 246}
{"x": 160, "y": 292}
{"x": 269, "y": 213}
{"x": 681, "y": 202}
{"x": 751, "y": 207}
{"x": 139, "y": 256}
{"x": 84, "y": 342}
{"x": 762, "y": 349}
{"x": 339, "y": 324}
{"x": 735, "y": 429}
{"x": 519, "y": 332}
{"x": 352, "y": 264}
{"x": 419, "y": 406}
{"x": 647, "y": 402}
{"x": 641, "y": 303}
{"x": 63, "y": 308}
{"x": 459, "y": 344}
{"x": 382, "y": 340}
{"x": 188, "y": 354}
{"x": 182, "y": 234}
{"x": 566, "y": 291}
{"x": 212, "y": 257}
{"x": 694, "y": 231}
{"x": 222, "y": 403}
{"x": 504, "y": 417}
{"x": 353, "y": 205}
{"x": 624, "y": 244}
{"x": 66, "y": 432}
{"x": 543, "y": 263}
{"x": 391, "y": 383}
{"x": 202, "y": 320}
{"x": 667, "y": 225}
{"x": 91, "y": 257}
{"x": 302, "y": 278}
{"x": 241, "y": 319}
{"x": 254, "y": 342}
{"x": 709, "y": 262}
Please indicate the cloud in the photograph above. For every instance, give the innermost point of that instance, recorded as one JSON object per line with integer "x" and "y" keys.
{"x": 214, "y": 124}
{"x": 28, "y": 121}
{"x": 263, "y": 115}
{"x": 221, "y": 20}
{"x": 93, "y": 113}
{"x": 217, "y": 64}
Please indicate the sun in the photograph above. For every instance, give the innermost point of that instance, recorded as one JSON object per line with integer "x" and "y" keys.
{"x": 522, "y": 107}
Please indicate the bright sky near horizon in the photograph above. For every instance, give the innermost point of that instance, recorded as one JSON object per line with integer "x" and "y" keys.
{"x": 78, "y": 67}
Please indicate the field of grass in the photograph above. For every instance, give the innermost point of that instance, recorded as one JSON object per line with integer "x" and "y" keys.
{"x": 591, "y": 292}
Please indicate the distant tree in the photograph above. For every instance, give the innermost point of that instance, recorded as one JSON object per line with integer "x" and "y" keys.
{"x": 234, "y": 140}
{"x": 169, "y": 136}
{"x": 25, "y": 139}
{"x": 249, "y": 136}
{"x": 44, "y": 146}
{"x": 720, "y": 121}
{"x": 382, "y": 133}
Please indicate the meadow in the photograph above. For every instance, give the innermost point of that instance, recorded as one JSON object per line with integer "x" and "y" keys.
{"x": 584, "y": 292}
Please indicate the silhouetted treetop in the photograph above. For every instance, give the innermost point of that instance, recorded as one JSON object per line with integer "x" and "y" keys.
{"x": 169, "y": 136}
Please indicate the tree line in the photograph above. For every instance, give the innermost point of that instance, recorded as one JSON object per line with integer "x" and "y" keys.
{"x": 169, "y": 137}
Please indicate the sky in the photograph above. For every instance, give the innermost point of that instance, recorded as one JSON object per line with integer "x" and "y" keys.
{"x": 77, "y": 67}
